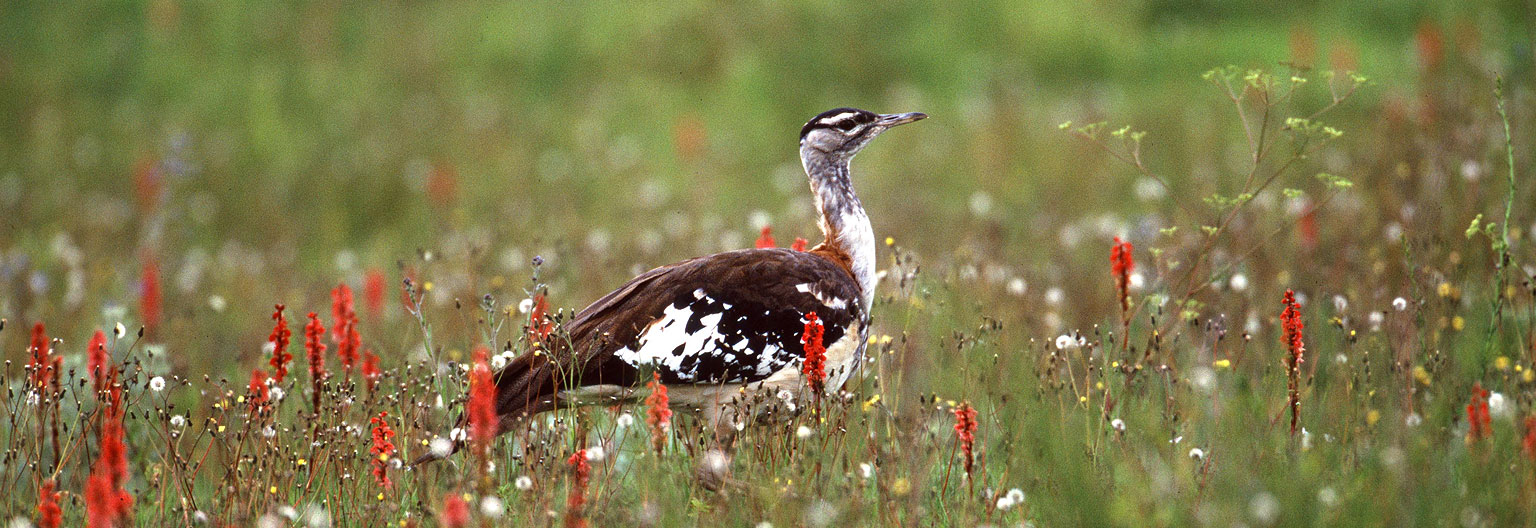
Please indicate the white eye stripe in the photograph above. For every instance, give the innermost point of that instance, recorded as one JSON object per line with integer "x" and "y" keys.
{"x": 832, "y": 120}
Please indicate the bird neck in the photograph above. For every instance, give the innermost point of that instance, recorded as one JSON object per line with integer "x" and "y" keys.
{"x": 843, "y": 221}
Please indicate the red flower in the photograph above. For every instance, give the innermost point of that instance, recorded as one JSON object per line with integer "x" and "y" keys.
{"x": 313, "y": 333}
{"x": 146, "y": 183}
{"x": 49, "y": 514}
{"x": 371, "y": 371}
{"x": 98, "y": 361}
{"x": 576, "y": 500}
{"x": 341, "y": 311}
{"x": 382, "y": 449}
{"x": 1121, "y": 263}
{"x": 258, "y": 392}
{"x": 1529, "y": 442}
{"x": 482, "y": 404}
{"x": 42, "y": 357}
{"x": 149, "y": 293}
{"x": 455, "y": 512}
{"x": 107, "y": 503}
{"x": 814, "y": 366}
{"x": 373, "y": 293}
{"x": 799, "y": 244}
{"x": 279, "y": 339}
{"x": 442, "y": 184}
{"x": 1290, "y": 320}
{"x": 658, "y": 412}
{"x": 539, "y": 325}
{"x": 766, "y": 239}
{"x": 965, "y": 432}
{"x": 1479, "y": 421}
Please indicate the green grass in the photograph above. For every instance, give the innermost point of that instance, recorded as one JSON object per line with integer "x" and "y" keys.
{"x": 264, "y": 154}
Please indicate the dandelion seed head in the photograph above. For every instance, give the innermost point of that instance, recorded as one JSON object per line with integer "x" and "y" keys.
{"x": 1399, "y": 304}
{"x": 1004, "y": 503}
{"x": 1016, "y": 494}
{"x": 866, "y": 470}
{"x": 157, "y": 383}
{"x": 276, "y": 393}
{"x": 199, "y": 517}
{"x": 287, "y": 512}
{"x": 1413, "y": 420}
{"x": 525, "y": 306}
{"x": 523, "y": 482}
{"x": 1328, "y": 496}
{"x": 119, "y": 331}
{"x": 270, "y": 521}
{"x": 1238, "y": 282}
{"x": 625, "y": 420}
{"x": 802, "y": 432}
{"x": 1263, "y": 507}
{"x": 1117, "y": 424}
{"x": 596, "y": 453}
{"x": 1196, "y": 453}
{"x": 1064, "y": 342}
{"x": 1137, "y": 281}
{"x": 1499, "y": 407}
{"x": 178, "y": 421}
{"x": 1054, "y": 296}
{"x": 1017, "y": 287}
{"x": 492, "y": 507}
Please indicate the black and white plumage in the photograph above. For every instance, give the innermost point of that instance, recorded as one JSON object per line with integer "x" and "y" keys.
{"x": 715, "y": 325}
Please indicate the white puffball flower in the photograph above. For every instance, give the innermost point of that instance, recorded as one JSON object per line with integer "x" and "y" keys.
{"x": 440, "y": 447}
{"x": 276, "y": 393}
{"x": 458, "y": 434}
{"x": 525, "y": 306}
{"x": 1340, "y": 304}
{"x": 1064, "y": 342}
{"x": 270, "y": 521}
{"x": 199, "y": 517}
{"x": 288, "y": 512}
{"x": 1054, "y": 296}
{"x": 1117, "y": 424}
{"x": 1017, "y": 287}
{"x": 524, "y": 483}
{"x": 625, "y": 420}
{"x": 157, "y": 384}
{"x": 1413, "y": 420}
{"x": 119, "y": 331}
{"x": 492, "y": 507}
{"x": 217, "y": 303}
{"x": 866, "y": 470}
{"x": 596, "y": 453}
{"x": 1238, "y": 282}
{"x": 178, "y": 421}
{"x": 1196, "y": 453}
{"x": 1375, "y": 319}
{"x": 1399, "y": 304}
{"x": 803, "y": 432}
{"x": 1264, "y": 507}
{"x": 1327, "y": 496}
{"x": 19, "y": 522}
{"x": 1004, "y": 503}
{"x": 1137, "y": 282}
{"x": 498, "y": 361}
{"x": 268, "y": 431}
{"x": 1499, "y": 407}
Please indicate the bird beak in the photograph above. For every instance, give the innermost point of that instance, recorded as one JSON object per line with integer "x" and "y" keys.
{"x": 890, "y": 120}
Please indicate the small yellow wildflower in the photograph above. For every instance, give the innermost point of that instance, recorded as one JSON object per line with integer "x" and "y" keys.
{"x": 1458, "y": 323}
{"x": 890, "y": 241}
{"x": 1372, "y": 417}
{"x": 1421, "y": 375}
{"x": 1444, "y": 289}
{"x": 427, "y": 286}
{"x": 1501, "y": 363}
{"x": 870, "y": 403}
{"x": 901, "y": 487}
{"x": 1223, "y": 363}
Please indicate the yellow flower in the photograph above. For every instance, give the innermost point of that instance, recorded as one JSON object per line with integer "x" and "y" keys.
{"x": 901, "y": 487}
{"x": 1421, "y": 375}
{"x": 272, "y": 490}
{"x": 1528, "y": 376}
{"x": 890, "y": 241}
{"x": 871, "y": 402}
{"x": 1501, "y": 363}
{"x": 427, "y": 286}
{"x": 1223, "y": 363}
{"x": 1372, "y": 416}
{"x": 1444, "y": 290}
{"x": 1458, "y": 323}
{"x": 302, "y": 462}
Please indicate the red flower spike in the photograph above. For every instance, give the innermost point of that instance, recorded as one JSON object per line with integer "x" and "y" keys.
{"x": 49, "y": 514}
{"x": 965, "y": 432}
{"x": 383, "y": 448}
{"x": 341, "y": 312}
{"x": 107, "y": 503}
{"x": 257, "y": 392}
{"x": 455, "y": 511}
{"x": 1121, "y": 263}
{"x": 1479, "y": 422}
{"x": 658, "y": 412}
{"x": 1529, "y": 442}
{"x": 766, "y": 239}
{"x": 373, "y": 293}
{"x": 539, "y": 325}
{"x": 814, "y": 366}
{"x": 98, "y": 361}
{"x": 279, "y": 338}
{"x": 799, "y": 244}
{"x": 576, "y": 499}
{"x": 371, "y": 372}
{"x": 149, "y": 293}
{"x": 315, "y": 350}
{"x": 41, "y": 355}
{"x": 1290, "y": 320}
{"x": 482, "y": 404}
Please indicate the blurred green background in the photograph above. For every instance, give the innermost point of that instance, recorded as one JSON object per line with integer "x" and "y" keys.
{"x": 262, "y": 151}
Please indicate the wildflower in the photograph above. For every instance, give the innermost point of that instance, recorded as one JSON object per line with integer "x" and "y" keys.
{"x": 1117, "y": 424}
{"x": 803, "y": 432}
{"x": 178, "y": 421}
{"x": 343, "y": 322}
{"x": 97, "y": 360}
{"x": 1399, "y": 304}
{"x": 1478, "y": 420}
{"x": 383, "y": 448}
{"x": 539, "y": 324}
{"x": 576, "y": 499}
{"x": 658, "y": 413}
{"x": 1196, "y": 453}
{"x": 371, "y": 372}
{"x": 440, "y": 447}
{"x": 373, "y": 293}
{"x": 492, "y": 507}
{"x": 596, "y": 453}
{"x": 107, "y": 503}
{"x": 149, "y": 293}
{"x": 1121, "y": 263}
{"x": 455, "y": 511}
{"x": 257, "y": 391}
{"x": 965, "y": 431}
{"x": 766, "y": 239}
{"x": 315, "y": 350}
{"x": 799, "y": 244}
{"x": 1290, "y": 319}
{"x": 157, "y": 383}
{"x": 1238, "y": 282}
{"x": 815, "y": 364}
{"x": 1064, "y": 342}
{"x": 118, "y": 330}
{"x": 625, "y": 420}
{"x": 42, "y": 357}
{"x": 1528, "y": 443}
{"x": 1498, "y": 406}
{"x": 49, "y": 514}
{"x": 482, "y": 404}
{"x": 279, "y": 341}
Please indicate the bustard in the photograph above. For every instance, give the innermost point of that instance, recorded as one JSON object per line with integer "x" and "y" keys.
{"x": 726, "y": 327}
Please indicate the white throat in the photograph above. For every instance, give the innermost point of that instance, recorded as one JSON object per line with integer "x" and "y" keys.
{"x": 843, "y": 221}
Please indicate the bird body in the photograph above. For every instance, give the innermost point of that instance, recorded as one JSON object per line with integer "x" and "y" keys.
{"x": 721, "y": 329}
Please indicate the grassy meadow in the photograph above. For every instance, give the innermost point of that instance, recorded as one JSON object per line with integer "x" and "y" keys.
{"x": 170, "y": 171}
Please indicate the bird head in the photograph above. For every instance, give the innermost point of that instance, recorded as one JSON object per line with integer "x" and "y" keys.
{"x": 844, "y": 131}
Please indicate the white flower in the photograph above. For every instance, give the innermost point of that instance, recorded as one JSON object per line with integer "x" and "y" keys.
{"x": 866, "y": 470}
{"x": 440, "y": 447}
{"x": 268, "y": 432}
{"x": 498, "y": 361}
{"x": 525, "y": 306}
{"x": 1004, "y": 503}
{"x": 1399, "y": 304}
{"x": 625, "y": 420}
{"x": 803, "y": 432}
{"x": 1238, "y": 282}
{"x": 1498, "y": 406}
{"x": 288, "y": 512}
{"x": 1016, "y": 494}
{"x": 1017, "y": 287}
{"x": 276, "y": 393}
{"x": 1264, "y": 507}
{"x": 199, "y": 517}
{"x": 523, "y": 482}
{"x": 1340, "y": 304}
{"x": 269, "y": 521}
{"x": 315, "y": 516}
{"x": 19, "y": 522}
{"x": 119, "y": 331}
{"x": 157, "y": 384}
{"x": 1375, "y": 319}
{"x": 492, "y": 507}
{"x": 178, "y": 421}
{"x": 765, "y": 524}
{"x": 217, "y": 303}
{"x": 596, "y": 453}
{"x": 1413, "y": 420}
{"x": 1137, "y": 281}
{"x": 1117, "y": 424}
{"x": 1196, "y": 453}
{"x": 458, "y": 434}
{"x": 1054, "y": 296}
{"x": 1064, "y": 342}
{"x": 1327, "y": 496}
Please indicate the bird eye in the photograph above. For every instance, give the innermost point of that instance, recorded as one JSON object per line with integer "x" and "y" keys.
{"x": 847, "y": 125}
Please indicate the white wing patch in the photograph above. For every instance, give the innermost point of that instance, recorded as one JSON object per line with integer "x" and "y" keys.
{"x": 667, "y": 345}
{"x": 830, "y": 302}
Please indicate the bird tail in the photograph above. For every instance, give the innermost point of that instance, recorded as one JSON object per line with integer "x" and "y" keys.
{"x": 525, "y": 387}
